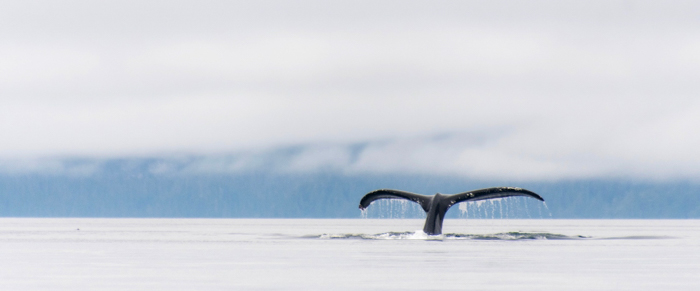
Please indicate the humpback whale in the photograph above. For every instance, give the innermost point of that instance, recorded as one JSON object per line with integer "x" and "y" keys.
{"x": 436, "y": 206}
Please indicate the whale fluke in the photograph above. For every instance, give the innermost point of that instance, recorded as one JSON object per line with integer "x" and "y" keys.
{"x": 437, "y": 205}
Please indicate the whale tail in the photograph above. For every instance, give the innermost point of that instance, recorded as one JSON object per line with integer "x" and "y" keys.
{"x": 437, "y": 205}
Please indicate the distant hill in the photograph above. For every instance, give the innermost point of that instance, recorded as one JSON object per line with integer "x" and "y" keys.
{"x": 115, "y": 192}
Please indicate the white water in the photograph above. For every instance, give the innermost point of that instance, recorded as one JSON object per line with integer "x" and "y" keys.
{"x": 287, "y": 254}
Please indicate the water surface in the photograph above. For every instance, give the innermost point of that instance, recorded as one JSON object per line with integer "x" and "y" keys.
{"x": 351, "y": 254}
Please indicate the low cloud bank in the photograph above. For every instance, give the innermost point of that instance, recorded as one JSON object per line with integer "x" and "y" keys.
{"x": 529, "y": 91}
{"x": 457, "y": 155}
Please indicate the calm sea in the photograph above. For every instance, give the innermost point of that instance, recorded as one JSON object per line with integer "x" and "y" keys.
{"x": 350, "y": 254}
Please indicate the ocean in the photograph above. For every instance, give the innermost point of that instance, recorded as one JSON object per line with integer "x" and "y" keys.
{"x": 348, "y": 254}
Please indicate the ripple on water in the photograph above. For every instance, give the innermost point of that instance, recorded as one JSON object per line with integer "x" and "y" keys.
{"x": 420, "y": 235}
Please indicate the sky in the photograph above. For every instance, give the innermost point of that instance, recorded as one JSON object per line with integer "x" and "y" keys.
{"x": 519, "y": 90}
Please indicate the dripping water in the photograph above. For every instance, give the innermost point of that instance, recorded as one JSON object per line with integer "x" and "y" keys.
{"x": 499, "y": 208}
{"x": 393, "y": 208}
{"x": 547, "y": 208}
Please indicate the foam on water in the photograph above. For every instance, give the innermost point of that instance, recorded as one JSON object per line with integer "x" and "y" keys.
{"x": 504, "y": 236}
{"x": 415, "y": 235}
{"x": 420, "y": 235}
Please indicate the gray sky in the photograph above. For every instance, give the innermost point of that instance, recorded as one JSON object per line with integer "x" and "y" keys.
{"x": 487, "y": 89}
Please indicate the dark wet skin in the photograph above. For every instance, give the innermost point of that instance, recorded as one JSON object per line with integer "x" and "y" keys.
{"x": 437, "y": 205}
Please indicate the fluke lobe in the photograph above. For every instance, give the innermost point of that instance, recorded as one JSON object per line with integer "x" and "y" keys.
{"x": 437, "y": 205}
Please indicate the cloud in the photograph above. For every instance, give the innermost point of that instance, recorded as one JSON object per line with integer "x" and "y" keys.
{"x": 47, "y": 166}
{"x": 517, "y": 90}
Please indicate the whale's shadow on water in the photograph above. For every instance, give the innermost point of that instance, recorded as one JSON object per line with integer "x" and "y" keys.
{"x": 504, "y": 236}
